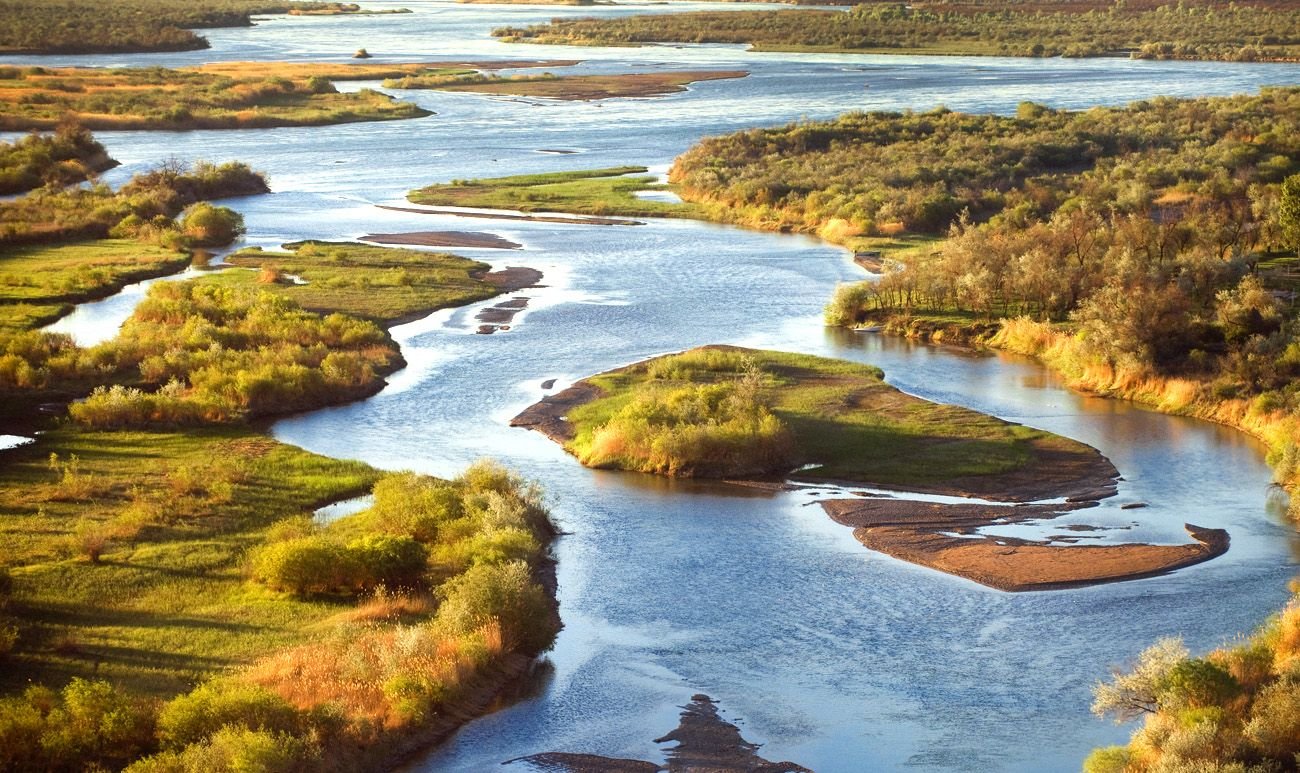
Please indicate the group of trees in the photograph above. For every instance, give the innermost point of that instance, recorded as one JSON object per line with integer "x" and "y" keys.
{"x": 1199, "y": 30}
{"x": 89, "y": 27}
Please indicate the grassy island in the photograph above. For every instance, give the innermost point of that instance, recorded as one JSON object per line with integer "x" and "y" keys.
{"x": 1201, "y": 29}
{"x": 590, "y": 192}
{"x": 725, "y": 412}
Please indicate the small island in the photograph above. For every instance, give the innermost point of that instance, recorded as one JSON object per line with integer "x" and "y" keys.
{"x": 732, "y": 413}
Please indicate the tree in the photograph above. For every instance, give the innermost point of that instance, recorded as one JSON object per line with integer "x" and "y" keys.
{"x": 210, "y": 226}
{"x": 1137, "y": 692}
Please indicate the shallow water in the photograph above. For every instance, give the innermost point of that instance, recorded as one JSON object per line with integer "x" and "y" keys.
{"x": 831, "y": 656}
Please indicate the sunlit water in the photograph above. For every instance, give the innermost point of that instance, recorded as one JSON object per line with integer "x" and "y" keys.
{"x": 831, "y": 656}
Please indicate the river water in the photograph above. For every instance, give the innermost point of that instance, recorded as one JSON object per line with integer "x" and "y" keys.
{"x": 830, "y": 656}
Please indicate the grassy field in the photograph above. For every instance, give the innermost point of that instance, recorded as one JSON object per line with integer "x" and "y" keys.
{"x": 166, "y": 602}
{"x": 588, "y": 192}
{"x": 38, "y": 284}
{"x": 840, "y": 415}
{"x": 382, "y": 284}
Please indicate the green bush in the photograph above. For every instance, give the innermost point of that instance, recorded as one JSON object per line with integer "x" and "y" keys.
{"x": 305, "y": 565}
{"x": 393, "y": 562}
{"x": 502, "y": 592}
{"x": 238, "y": 750}
{"x": 197, "y": 715}
{"x": 206, "y": 225}
{"x": 1274, "y": 725}
{"x": 1196, "y": 683}
{"x": 89, "y": 725}
{"x": 1108, "y": 759}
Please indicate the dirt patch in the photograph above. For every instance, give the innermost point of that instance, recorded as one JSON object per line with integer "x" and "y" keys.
{"x": 547, "y": 415}
{"x": 511, "y": 278}
{"x": 464, "y": 239}
{"x": 706, "y": 743}
{"x": 571, "y": 220}
{"x": 931, "y": 535}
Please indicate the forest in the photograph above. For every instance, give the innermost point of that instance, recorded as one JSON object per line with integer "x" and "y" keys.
{"x": 1242, "y": 31}
{"x": 89, "y": 27}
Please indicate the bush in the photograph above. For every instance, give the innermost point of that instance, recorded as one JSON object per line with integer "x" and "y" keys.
{"x": 206, "y": 225}
{"x": 1274, "y": 725}
{"x": 1196, "y": 683}
{"x": 1108, "y": 759}
{"x": 305, "y": 565}
{"x": 504, "y": 593}
{"x": 195, "y": 716}
{"x": 88, "y": 726}
{"x": 237, "y": 750}
{"x": 386, "y": 560}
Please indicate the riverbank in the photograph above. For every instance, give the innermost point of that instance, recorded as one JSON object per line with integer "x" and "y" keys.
{"x": 144, "y": 559}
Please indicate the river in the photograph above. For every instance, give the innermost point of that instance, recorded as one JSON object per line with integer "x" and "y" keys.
{"x": 828, "y": 655}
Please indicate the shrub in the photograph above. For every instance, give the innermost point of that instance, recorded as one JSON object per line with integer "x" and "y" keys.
{"x": 1108, "y": 759}
{"x": 206, "y": 225}
{"x": 504, "y": 593}
{"x": 312, "y": 564}
{"x": 386, "y": 560}
{"x": 1196, "y": 683}
{"x": 197, "y": 715}
{"x": 87, "y": 726}
{"x": 1274, "y": 725}
{"x": 237, "y": 750}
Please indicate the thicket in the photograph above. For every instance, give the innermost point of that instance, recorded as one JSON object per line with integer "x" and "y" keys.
{"x": 69, "y": 155}
{"x": 1236, "y": 710}
{"x": 143, "y": 208}
{"x": 217, "y": 354}
{"x": 1235, "y": 32}
{"x": 89, "y": 27}
{"x": 668, "y": 425}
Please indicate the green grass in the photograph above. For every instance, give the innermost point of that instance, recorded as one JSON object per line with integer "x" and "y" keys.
{"x": 37, "y": 283}
{"x": 169, "y": 604}
{"x": 382, "y": 284}
{"x": 842, "y": 416}
{"x": 588, "y": 192}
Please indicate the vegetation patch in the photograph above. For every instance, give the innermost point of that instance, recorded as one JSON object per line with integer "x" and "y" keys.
{"x": 71, "y": 155}
{"x": 382, "y": 284}
{"x": 594, "y": 192}
{"x": 724, "y": 411}
{"x": 1258, "y": 31}
{"x": 55, "y": 276}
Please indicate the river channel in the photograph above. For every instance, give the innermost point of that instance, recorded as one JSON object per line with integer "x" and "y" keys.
{"x": 830, "y": 656}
